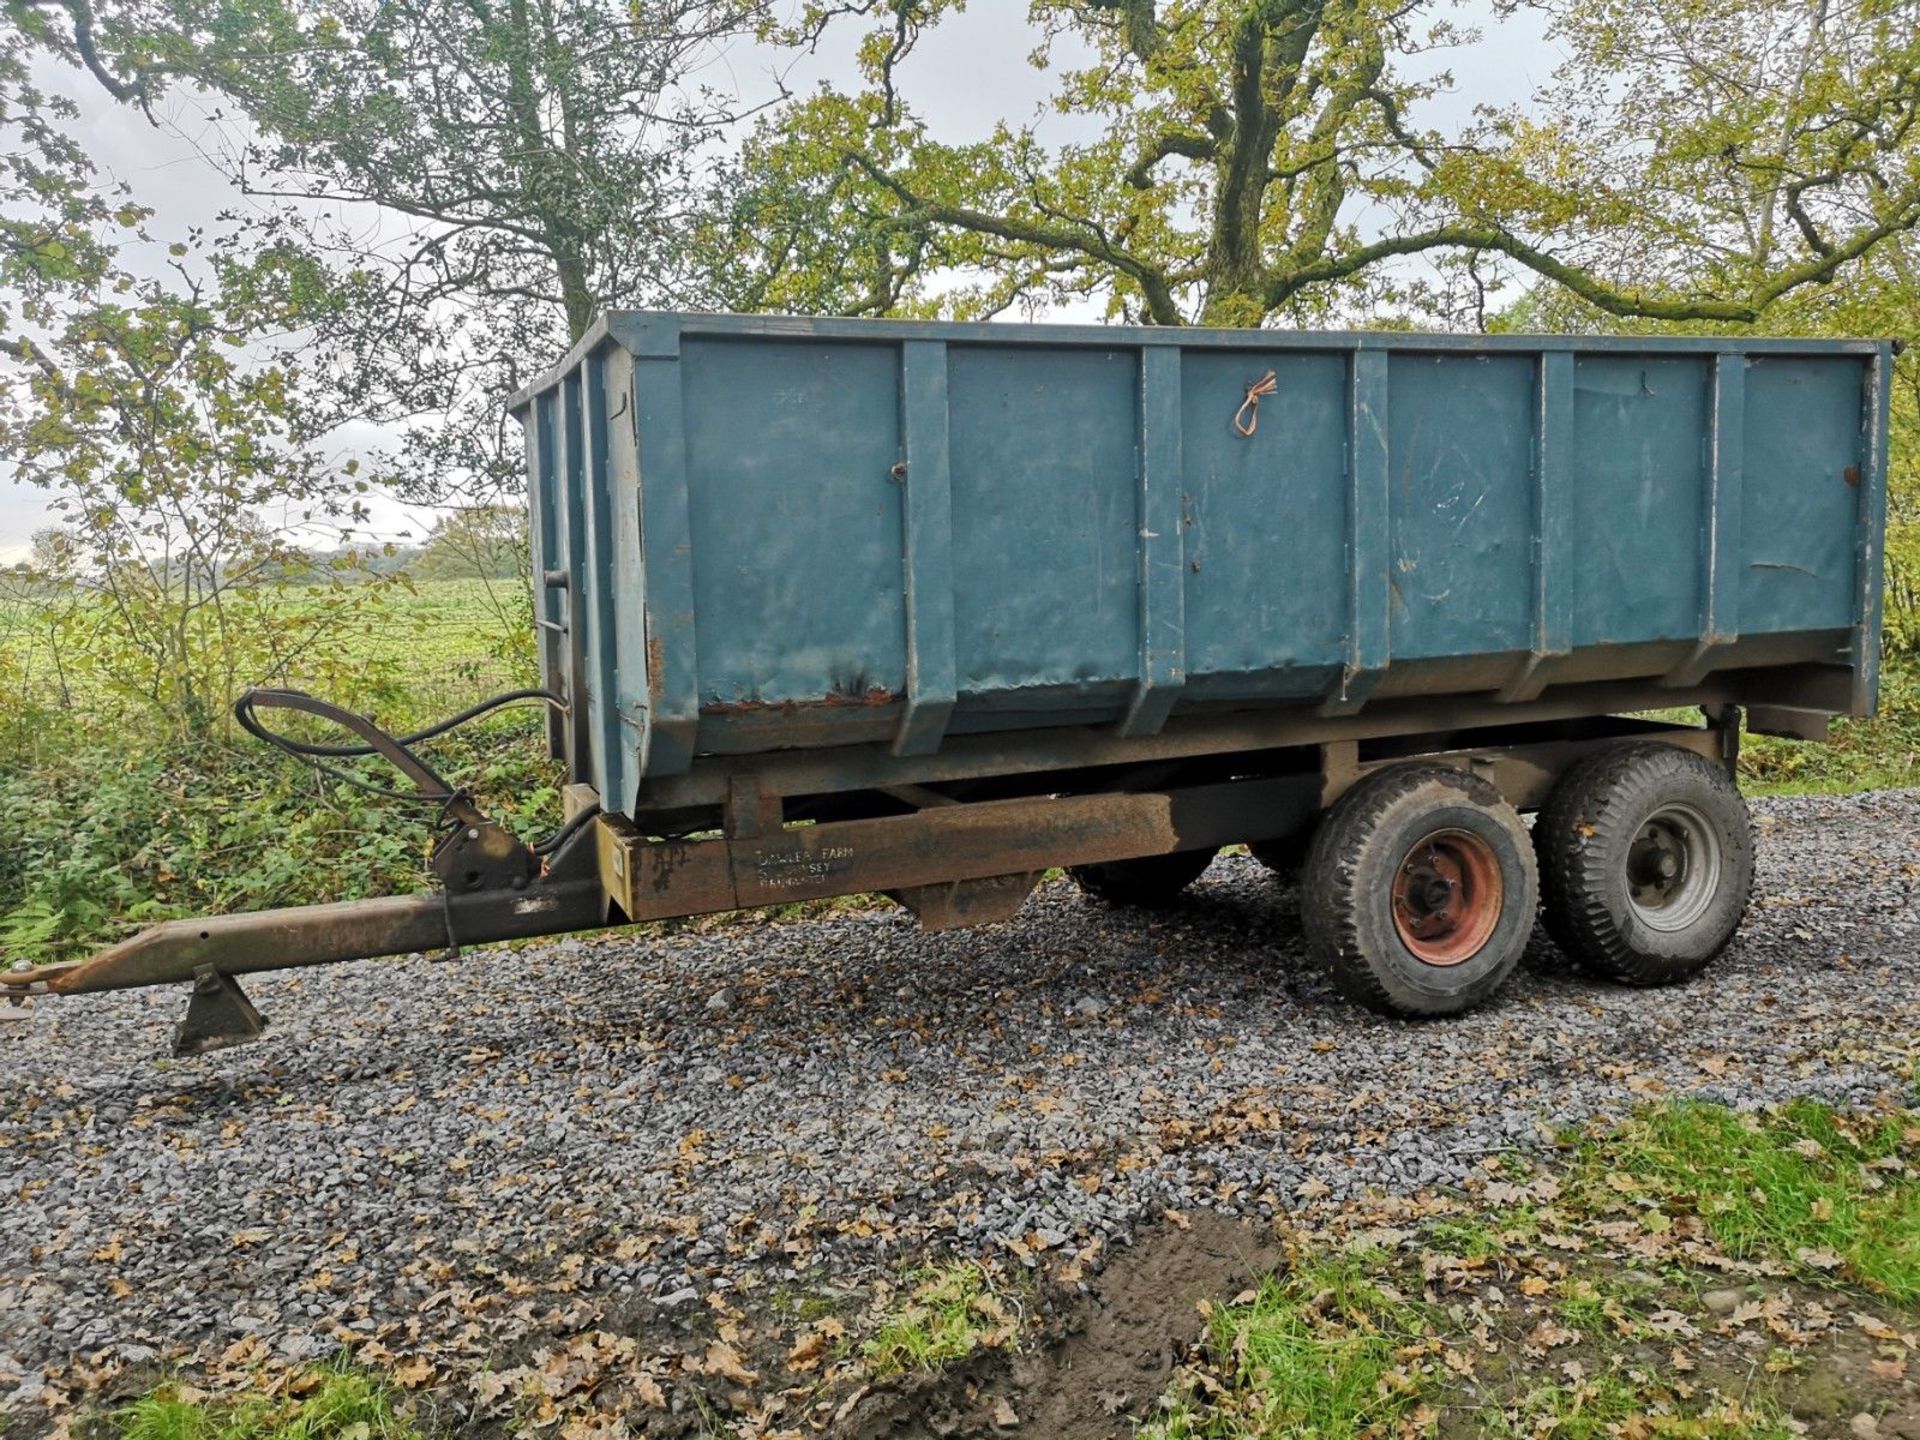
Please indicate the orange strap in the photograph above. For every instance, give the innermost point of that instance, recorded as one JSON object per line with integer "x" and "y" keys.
{"x": 1247, "y": 418}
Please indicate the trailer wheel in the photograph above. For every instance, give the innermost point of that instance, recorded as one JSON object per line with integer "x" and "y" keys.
{"x": 1150, "y": 880}
{"x": 1646, "y": 863}
{"x": 1419, "y": 891}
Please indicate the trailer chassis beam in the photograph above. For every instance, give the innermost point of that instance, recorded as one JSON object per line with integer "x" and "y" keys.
{"x": 951, "y": 862}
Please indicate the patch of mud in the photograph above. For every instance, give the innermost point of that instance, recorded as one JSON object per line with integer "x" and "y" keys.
{"x": 1103, "y": 1358}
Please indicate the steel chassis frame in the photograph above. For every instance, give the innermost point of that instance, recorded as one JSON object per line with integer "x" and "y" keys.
{"x": 950, "y": 843}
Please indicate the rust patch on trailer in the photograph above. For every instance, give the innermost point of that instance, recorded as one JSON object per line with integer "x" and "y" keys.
{"x": 1852, "y": 476}
{"x": 875, "y": 698}
{"x": 656, "y": 663}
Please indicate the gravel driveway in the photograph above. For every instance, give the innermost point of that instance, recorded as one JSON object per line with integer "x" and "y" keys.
{"x": 629, "y": 1125}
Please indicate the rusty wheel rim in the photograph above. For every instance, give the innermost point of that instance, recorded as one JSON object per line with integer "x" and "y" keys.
{"x": 1446, "y": 897}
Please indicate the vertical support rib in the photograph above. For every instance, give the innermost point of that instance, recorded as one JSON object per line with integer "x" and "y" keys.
{"x": 1552, "y": 528}
{"x": 626, "y": 583}
{"x": 544, "y": 518}
{"x": 1163, "y": 622}
{"x": 1872, "y": 500}
{"x": 594, "y": 589}
{"x": 927, "y": 519}
{"x": 1725, "y": 488}
{"x": 580, "y": 626}
{"x": 673, "y": 675}
{"x": 1369, "y": 535}
{"x": 1720, "y": 561}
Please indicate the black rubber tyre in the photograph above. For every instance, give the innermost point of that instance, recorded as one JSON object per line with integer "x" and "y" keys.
{"x": 1151, "y": 880}
{"x": 1357, "y": 919}
{"x": 1286, "y": 856}
{"x": 1612, "y": 901}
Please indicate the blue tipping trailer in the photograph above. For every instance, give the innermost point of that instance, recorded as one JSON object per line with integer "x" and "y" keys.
{"x": 773, "y": 534}
{"x": 833, "y": 607}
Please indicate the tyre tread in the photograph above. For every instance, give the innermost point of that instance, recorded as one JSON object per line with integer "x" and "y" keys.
{"x": 1573, "y": 881}
{"x": 1330, "y": 890}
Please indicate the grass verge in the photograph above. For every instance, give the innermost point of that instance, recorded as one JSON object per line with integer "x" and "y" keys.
{"x": 1828, "y": 1194}
{"x": 1694, "y": 1273}
{"x": 333, "y": 1404}
{"x": 1330, "y": 1348}
{"x": 950, "y": 1312}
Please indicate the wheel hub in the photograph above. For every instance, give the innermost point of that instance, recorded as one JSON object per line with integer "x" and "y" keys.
{"x": 1673, "y": 868}
{"x": 1446, "y": 897}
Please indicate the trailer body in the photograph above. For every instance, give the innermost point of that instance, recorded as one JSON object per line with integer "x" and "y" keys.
{"x": 763, "y": 535}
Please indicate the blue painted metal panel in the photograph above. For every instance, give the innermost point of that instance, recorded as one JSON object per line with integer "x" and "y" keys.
{"x": 1798, "y": 547}
{"x": 580, "y": 592}
{"x": 796, "y": 522}
{"x": 542, "y": 526}
{"x": 1870, "y": 533}
{"x": 1553, "y": 539}
{"x": 673, "y": 657}
{"x": 1368, "y": 491}
{"x": 1045, "y": 545}
{"x": 794, "y": 532}
{"x": 1460, "y": 447}
{"x": 623, "y": 587}
{"x": 1254, "y": 611}
{"x": 1639, "y": 496}
{"x": 600, "y": 650}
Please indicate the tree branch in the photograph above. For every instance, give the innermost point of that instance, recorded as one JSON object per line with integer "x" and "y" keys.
{"x": 80, "y": 12}
{"x": 1168, "y": 142}
{"x": 1060, "y": 236}
{"x": 1613, "y": 299}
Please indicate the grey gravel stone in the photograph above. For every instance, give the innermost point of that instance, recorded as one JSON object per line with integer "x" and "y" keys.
{"x": 411, "y": 1129}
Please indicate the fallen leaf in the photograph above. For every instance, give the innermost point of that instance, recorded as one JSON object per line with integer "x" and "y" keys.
{"x": 723, "y": 1360}
{"x": 1875, "y": 1329}
{"x": 1549, "y": 1334}
{"x": 807, "y": 1352}
{"x": 488, "y": 1386}
{"x": 1819, "y": 1259}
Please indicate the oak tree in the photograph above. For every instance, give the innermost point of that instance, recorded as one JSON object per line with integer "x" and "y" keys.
{"x": 1277, "y": 160}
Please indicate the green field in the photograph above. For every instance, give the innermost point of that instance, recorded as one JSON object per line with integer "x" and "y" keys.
{"x": 421, "y": 645}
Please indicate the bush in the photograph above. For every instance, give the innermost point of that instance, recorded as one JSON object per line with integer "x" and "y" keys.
{"x": 111, "y": 837}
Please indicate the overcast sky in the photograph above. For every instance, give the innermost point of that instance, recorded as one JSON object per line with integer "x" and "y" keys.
{"x": 969, "y": 76}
